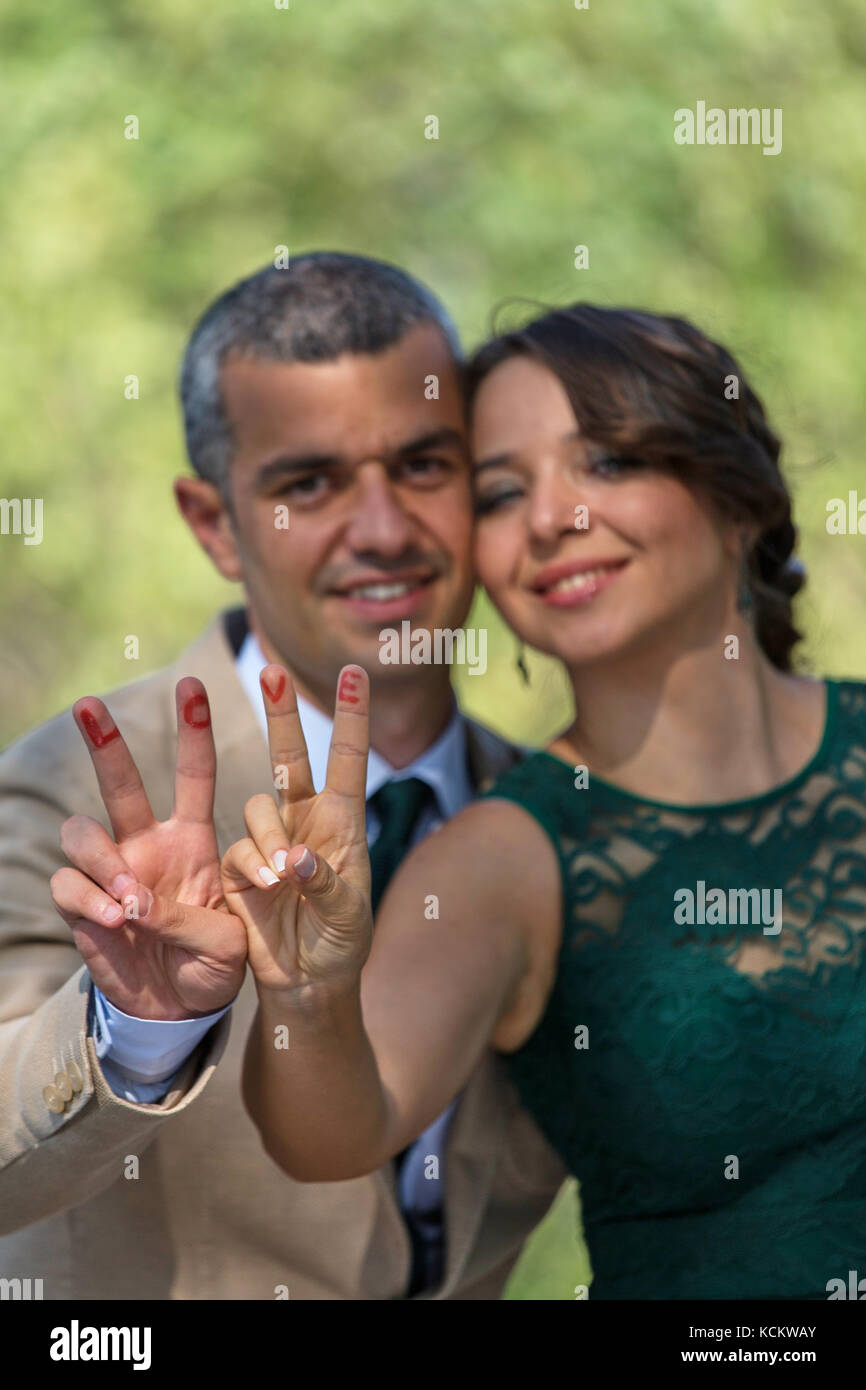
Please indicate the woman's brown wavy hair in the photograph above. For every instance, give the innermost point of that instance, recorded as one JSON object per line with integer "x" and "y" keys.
{"x": 653, "y": 387}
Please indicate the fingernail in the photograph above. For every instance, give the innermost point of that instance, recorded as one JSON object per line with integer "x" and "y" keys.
{"x": 112, "y": 912}
{"x": 280, "y": 860}
{"x": 137, "y": 904}
{"x": 305, "y": 867}
{"x": 93, "y": 731}
{"x": 122, "y": 884}
{"x": 267, "y": 877}
{"x": 196, "y": 711}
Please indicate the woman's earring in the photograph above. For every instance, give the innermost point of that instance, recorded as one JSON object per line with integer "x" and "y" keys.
{"x": 521, "y": 664}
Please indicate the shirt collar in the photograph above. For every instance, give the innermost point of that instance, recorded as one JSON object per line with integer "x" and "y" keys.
{"x": 443, "y": 766}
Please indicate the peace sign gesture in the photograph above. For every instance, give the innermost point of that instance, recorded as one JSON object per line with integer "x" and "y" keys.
{"x": 146, "y": 907}
{"x": 300, "y": 882}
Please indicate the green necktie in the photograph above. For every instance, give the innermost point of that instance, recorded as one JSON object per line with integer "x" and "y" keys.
{"x": 398, "y": 804}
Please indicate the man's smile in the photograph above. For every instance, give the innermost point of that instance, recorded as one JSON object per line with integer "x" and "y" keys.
{"x": 385, "y": 596}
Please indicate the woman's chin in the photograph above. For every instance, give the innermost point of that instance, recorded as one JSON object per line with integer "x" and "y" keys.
{"x": 576, "y": 644}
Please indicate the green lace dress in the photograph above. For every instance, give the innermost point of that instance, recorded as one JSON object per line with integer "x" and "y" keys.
{"x": 703, "y": 1077}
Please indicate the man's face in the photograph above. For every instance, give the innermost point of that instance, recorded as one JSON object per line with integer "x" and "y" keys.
{"x": 376, "y": 481}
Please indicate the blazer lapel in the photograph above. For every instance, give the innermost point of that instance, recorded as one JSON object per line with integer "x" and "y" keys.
{"x": 488, "y": 755}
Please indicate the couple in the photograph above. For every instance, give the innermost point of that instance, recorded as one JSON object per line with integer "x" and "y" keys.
{"x": 699, "y": 1070}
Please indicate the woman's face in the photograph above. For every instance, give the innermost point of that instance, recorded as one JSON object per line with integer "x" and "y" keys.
{"x": 586, "y": 556}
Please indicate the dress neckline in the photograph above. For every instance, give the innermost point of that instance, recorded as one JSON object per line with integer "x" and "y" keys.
{"x": 831, "y": 688}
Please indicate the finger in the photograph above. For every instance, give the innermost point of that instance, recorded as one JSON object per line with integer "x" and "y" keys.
{"x": 244, "y": 866}
{"x": 197, "y": 929}
{"x": 266, "y": 828}
{"x": 337, "y": 902}
{"x": 350, "y": 739}
{"x": 195, "y": 766}
{"x": 81, "y": 902}
{"x": 89, "y": 847}
{"x": 243, "y": 863}
{"x": 119, "y": 782}
{"x": 293, "y": 779}
{"x": 78, "y": 898}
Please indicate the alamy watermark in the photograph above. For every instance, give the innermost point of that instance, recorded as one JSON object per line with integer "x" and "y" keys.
{"x": 442, "y": 647}
{"x": 22, "y": 516}
{"x": 855, "y": 1287}
{"x": 77, "y": 1343}
{"x": 846, "y": 516}
{"x": 737, "y": 126}
{"x": 21, "y": 1290}
{"x": 715, "y": 907}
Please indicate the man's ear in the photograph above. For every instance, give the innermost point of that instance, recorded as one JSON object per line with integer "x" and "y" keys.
{"x": 205, "y": 512}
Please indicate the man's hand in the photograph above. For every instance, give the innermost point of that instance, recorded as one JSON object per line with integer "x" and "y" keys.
{"x": 146, "y": 908}
{"x": 301, "y": 881}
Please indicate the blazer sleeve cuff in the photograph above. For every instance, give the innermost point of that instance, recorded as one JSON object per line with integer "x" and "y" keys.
{"x": 57, "y": 1076}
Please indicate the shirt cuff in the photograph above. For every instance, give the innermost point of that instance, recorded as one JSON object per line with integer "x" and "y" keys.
{"x": 140, "y": 1056}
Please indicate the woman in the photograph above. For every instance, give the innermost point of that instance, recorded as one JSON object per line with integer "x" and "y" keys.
{"x": 660, "y": 919}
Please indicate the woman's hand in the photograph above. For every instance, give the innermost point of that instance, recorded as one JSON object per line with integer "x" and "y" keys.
{"x": 364, "y": 1076}
{"x": 300, "y": 882}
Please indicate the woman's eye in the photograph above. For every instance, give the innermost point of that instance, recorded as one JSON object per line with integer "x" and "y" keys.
{"x": 615, "y": 465}
{"x": 490, "y": 501}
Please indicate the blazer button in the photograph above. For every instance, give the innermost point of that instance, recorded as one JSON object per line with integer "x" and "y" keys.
{"x": 53, "y": 1099}
{"x": 64, "y": 1085}
{"x": 73, "y": 1071}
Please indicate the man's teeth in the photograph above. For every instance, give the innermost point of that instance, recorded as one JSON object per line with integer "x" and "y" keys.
{"x": 577, "y": 581}
{"x": 381, "y": 592}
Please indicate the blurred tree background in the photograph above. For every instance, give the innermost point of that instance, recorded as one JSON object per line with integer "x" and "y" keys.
{"x": 305, "y": 126}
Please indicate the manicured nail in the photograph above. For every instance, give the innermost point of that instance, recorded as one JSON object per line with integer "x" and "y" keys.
{"x": 145, "y": 901}
{"x": 137, "y": 904}
{"x": 305, "y": 867}
{"x": 267, "y": 877}
{"x": 280, "y": 860}
{"x": 112, "y": 912}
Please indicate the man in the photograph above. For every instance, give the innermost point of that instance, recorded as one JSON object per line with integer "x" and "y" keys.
{"x": 324, "y": 420}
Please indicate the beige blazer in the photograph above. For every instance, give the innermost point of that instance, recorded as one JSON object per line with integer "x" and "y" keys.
{"x": 203, "y": 1213}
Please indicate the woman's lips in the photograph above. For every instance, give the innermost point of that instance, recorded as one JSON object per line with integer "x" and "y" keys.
{"x": 574, "y": 589}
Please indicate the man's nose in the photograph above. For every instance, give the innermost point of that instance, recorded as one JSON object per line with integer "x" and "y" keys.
{"x": 379, "y": 520}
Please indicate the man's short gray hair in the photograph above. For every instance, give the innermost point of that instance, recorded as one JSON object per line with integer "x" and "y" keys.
{"x": 324, "y": 304}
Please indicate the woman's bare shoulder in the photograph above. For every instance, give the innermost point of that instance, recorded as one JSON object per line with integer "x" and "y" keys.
{"x": 493, "y": 833}
{"x": 515, "y": 875}
{"x": 493, "y": 876}
{"x": 495, "y": 850}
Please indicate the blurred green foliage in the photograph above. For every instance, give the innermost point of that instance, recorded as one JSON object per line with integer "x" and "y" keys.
{"x": 262, "y": 126}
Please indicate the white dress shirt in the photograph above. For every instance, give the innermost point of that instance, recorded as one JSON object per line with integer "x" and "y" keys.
{"x": 140, "y": 1057}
